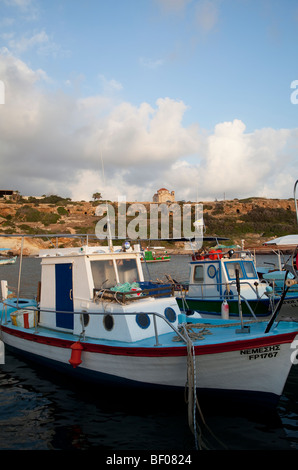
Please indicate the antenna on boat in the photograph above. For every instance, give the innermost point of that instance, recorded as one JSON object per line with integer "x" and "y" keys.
{"x": 20, "y": 271}
{"x": 110, "y": 243}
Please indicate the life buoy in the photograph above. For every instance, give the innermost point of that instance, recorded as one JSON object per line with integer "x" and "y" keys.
{"x": 215, "y": 254}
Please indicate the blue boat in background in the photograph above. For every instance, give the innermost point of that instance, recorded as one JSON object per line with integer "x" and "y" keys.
{"x": 7, "y": 260}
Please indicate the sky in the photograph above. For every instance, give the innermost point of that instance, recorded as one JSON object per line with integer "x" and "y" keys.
{"x": 125, "y": 97}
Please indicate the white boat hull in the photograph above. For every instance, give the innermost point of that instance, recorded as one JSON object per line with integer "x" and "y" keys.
{"x": 4, "y": 261}
{"x": 257, "y": 370}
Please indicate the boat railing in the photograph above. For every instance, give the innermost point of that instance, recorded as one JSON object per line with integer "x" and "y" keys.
{"x": 227, "y": 297}
{"x": 205, "y": 287}
{"x": 35, "y": 310}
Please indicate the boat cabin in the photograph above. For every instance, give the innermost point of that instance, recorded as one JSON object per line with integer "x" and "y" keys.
{"x": 100, "y": 292}
{"x": 214, "y": 275}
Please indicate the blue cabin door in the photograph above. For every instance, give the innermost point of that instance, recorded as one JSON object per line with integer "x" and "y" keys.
{"x": 64, "y": 297}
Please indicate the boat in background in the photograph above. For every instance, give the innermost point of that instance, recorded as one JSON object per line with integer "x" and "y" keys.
{"x": 150, "y": 256}
{"x": 11, "y": 260}
{"x": 213, "y": 289}
{"x": 7, "y": 260}
{"x": 97, "y": 320}
{"x": 278, "y": 274}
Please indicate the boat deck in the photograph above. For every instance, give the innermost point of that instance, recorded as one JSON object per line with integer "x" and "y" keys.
{"x": 202, "y": 332}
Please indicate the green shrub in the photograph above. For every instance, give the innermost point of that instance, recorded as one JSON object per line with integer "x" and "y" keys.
{"x": 62, "y": 211}
{"x": 28, "y": 214}
{"x": 50, "y": 218}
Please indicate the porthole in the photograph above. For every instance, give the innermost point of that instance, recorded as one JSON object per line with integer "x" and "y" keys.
{"x": 170, "y": 314}
{"x": 143, "y": 320}
{"x": 211, "y": 271}
{"x": 85, "y": 318}
{"x": 108, "y": 322}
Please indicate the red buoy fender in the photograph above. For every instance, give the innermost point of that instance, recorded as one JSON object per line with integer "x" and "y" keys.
{"x": 76, "y": 351}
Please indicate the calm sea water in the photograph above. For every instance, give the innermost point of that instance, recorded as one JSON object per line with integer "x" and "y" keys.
{"x": 42, "y": 411}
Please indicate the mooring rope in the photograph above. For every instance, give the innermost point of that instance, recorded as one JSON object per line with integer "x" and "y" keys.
{"x": 194, "y": 409}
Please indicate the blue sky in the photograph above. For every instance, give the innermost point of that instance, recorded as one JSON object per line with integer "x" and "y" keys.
{"x": 191, "y": 95}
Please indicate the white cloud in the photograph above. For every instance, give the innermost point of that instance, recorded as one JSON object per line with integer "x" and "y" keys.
{"x": 54, "y": 142}
{"x": 110, "y": 85}
{"x": 27, "y": 9}
{"x": 39, "y": 41}
{"x": 205, "y": 12}
{"x": 206, "y": 15}
{"x": 23, "y": 44}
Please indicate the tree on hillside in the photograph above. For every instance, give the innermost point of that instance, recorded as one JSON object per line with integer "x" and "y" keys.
{"x": 96, "y": 196}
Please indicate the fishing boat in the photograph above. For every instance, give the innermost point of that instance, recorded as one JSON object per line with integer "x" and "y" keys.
{"x": 282, "y": 271}
{"x": 150, "y": 256}
{"x": 7, "y": 260}
{"x": 218, "y": 278}
{"x": 11, "y": 260}
{"x": 96, "y": 319}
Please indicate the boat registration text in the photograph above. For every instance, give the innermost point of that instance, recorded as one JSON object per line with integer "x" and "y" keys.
{"x": 261, "y": 353}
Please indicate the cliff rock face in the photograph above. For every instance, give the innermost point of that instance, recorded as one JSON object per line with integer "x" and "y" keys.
{"x": 254, "y": 220}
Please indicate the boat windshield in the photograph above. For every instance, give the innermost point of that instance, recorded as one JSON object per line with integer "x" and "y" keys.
{"x": 231, "y": 267}
{"x": 127, "y": 270}
{"x": 246, "y": 269}
{"x": 250, "y": 270}
{"x": 104, "y": 274}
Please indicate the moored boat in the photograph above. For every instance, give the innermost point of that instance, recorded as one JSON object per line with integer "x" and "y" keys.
{"x": 213, "y": 284}
{"x": 11, "y": 260}
{"x": 98, "y": 320}
{"x": 7, "y": 260}
{"x": 151, "y": 256}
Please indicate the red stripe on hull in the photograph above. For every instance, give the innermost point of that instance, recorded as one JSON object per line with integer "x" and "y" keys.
{"x": 156, "y": 351}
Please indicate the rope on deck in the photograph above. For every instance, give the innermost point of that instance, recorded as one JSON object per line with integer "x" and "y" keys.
{"x": 189, "y": 329}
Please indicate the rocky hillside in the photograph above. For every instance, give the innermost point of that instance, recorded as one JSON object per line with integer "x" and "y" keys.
{"x": 254, "y": 220}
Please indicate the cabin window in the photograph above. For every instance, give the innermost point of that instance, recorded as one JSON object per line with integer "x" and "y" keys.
{"x": 198, "y": 274}
{"x": 127, "y": 270}
{"x": 231, "y": 270}
{"x": 103, "y": 273}
{"x": 250, "y": 270}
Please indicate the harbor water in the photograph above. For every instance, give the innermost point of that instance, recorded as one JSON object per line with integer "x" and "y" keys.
{"x": 40, "y": 410}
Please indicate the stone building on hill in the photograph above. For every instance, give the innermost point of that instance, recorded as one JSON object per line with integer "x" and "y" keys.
{"x": 9, "y": 194}
{"x": 163, "y": 196}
